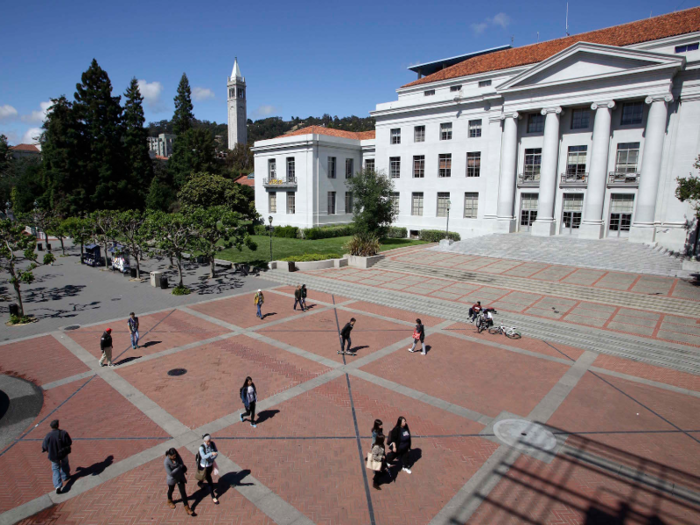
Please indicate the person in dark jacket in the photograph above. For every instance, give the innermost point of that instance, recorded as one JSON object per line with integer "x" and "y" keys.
{"x": 297, "y": 299}
{"x": 303, "y": 297}
{"x": 57, "y": 443}
{"x": 133, "y": 323}
{"x": 249, "y": 396}
{"x": 418, "y": 335}
{"x": 345, "y": 335}
{"x": 176, "y": 471}
{"x": 400, "y": 443}
{"x": 106, "y": 347}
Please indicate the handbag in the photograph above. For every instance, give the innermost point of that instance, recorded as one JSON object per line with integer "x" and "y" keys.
{"x": 199, "y": 476}
{"x": 373, "y": 465}
{"x": 416, "y": 335}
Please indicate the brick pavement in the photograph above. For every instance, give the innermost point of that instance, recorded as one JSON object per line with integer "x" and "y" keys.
{"x": 40, "y": 360}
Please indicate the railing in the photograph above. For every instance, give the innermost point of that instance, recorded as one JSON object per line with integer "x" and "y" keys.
{"x": 576, "y": 180}
{"x": 289, "y": 182}
{"x": 629, "y": 180}
{"x": 528, "y": 179}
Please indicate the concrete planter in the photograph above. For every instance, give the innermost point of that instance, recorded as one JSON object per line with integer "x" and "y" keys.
{"x": 363, "y": 262}
{"x": 444, "y": 243}
{"x": 314, "y": 265}
{"x": 691, "y": 265}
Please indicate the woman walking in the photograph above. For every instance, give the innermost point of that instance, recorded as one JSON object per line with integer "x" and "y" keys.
{"x": 207, "y": 456}
{"x": 400, "y": 443}
{"x": 175, "y": 470}
{"x": 376, "y": 430}
{"x": 378, "y": 458}
{"x": 249, "y": 396}
{"x": 418, "y": 335}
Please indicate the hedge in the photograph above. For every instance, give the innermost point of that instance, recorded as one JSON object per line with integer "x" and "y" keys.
{"x": 437, "y": 235}
{"x": 394, "y": 232}
{"x": 290, "y": 232}
{"x": 311, "y": 257}
{"x": 326, "y": 232}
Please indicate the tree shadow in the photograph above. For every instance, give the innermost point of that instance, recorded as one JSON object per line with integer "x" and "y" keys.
{"x": 43, "y": 295}
{"x": 93, "y": 470}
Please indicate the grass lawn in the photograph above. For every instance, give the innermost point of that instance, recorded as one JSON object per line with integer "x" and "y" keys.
{"x": 282, "y": 248}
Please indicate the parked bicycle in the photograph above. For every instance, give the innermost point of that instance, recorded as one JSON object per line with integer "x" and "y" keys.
{"x": 484, "y": 319}
{"x": 509, "y": 331}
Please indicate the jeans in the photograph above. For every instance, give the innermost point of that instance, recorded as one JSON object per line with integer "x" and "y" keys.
{"x": 259, "y": 314}
{"x": 342, "y": 346}
{"x": 183, "y": 492}
{"x": 61, "y": 472}
{"x": 250, "y": 411}
{"x": 134, "y": 338}
{"x": 303, "y": 303}
{"x": 300, "y": 302}
{"x": 207, "y": 478}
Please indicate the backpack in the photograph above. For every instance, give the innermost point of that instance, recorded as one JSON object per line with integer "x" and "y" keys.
{"x": 198, "y": 459}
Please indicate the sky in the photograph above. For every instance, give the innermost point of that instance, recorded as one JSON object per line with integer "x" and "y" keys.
{"x": 299, "y": 58}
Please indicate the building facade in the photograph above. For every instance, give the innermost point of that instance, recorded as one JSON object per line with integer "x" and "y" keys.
{"x": 161, "y": 146}
{"x": 584, "y": 135}
{"x": 236, "y": 102}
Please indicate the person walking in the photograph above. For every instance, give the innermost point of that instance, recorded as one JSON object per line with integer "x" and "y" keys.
{"x": 418, "y": 335}
{"x": 206, "y": 464}
{"x": 106, "y": 347}
{"x": 378, "y": 458}
{"x": 297, "y": 299}
{"x": 303, "y": 297}
{"x": 400, "y": 443}
{"x": 176, "y": 471}
{"x": 259, "y": 300}
{"x": 133, "y": 323}
{"x": 377, "y": 431}
{"x": 345, "y": 337}
{"x": 249, "y": 396}
{"x": 58, "y": 445}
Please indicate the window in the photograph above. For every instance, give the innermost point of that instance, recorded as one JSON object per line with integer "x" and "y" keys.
{"x": 580, "y": 119}
{"x": 348, "y": 202}
{"x": 474, "y": 128}
{"x": 429, "y": 92}
{"x": 473, "y": 164}
{"x": 471, "y": 205}
{"x": 349, "y": 168}
{"x": 446, "y": 131}
{"x": 395, "y": 202}
{"x": 331, "y": 167}
{"x": 291, "y": 203}
{"x": 418, "y": 166}
{"x": 395, "y": 167}
{"x": 445, "y": 165}
{"x": 272, "y": 202}
{"x": 290, "y": 168}
{"x": 533, "y": 162}
{"x": 456, "y": 88}
{"x": 417, "y": 204}
{"x": 232, "y": 93}
{"x": 241, "y": 93}
{"x": 688, "y": 47}
{"x": 272, "y": 169}
{"x": 484, "y": 83}
{"x": 535, "y": 123}
{"x": 632, "y": 113}
{"x": 331, "y": 203}
{"x": 627, "y": 157}
{"x": 396, "y": 136}
{"x": 369, "y": 164}
{"x": 443, "y": 204}
{"x": 419, "y": 134}
{"x": 576, "y": 162}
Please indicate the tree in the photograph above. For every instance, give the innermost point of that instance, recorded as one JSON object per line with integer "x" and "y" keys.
{"x": 172, "y": 235}
{"x": 103, "y": 229}
{"x": 183, "y": 117}
{"x": 5, "y": 155}
{"x": 54, "y": 226}
{"x": 216, "y": 229}
{"x": 373, "y": 211}
{"x": 130, "y": 225}
{"x": 80, "y": 230}
{"x": 160, "y": 195}
{"x": 205, "y": 190}
{"x": 41, "y": 219}
{"x": 138, "y": 163}
{"x": 688, "y": 190}
{"x": 240, "y": 160}
{"x": 13, "y": 240}
{"x": 193, "y": 151}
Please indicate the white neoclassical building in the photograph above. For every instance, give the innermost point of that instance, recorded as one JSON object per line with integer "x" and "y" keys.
{"x": 584, "y": 135}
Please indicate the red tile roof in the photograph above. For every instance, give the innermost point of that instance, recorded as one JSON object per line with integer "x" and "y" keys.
{"x": 245, "y": 181}
{"x": 664, "y": 26}
{"x": 26, "y": 147}
{"x": 320, "y": 130}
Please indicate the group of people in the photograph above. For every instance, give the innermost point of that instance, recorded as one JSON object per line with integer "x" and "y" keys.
{"x": 380, "y": 460}
{"x": 106, "y": 344}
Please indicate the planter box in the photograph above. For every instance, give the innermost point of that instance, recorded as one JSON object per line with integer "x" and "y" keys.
{"x": 692, "y": 265}
{"x": 315, "y": 265}
{"x": 272, "y": 265}
{"x": 363, "y": 262}
{"x": 340, "y": 263}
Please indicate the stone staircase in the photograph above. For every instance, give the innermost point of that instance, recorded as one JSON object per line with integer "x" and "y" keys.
{"x": 670, "y": 355}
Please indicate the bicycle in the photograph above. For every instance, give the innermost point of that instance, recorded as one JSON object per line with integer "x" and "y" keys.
{"x": 509, "y": 331}
{"x": 483, "y": 322}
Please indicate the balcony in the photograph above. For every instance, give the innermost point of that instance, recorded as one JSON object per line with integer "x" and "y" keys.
{"x": 528, "y": 180}
{"x": 573, "y": 180}
{"x": 290, "y": 183}
{"x": 623, "y": 180}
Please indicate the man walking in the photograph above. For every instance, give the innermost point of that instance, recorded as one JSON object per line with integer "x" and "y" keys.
{"x": 297, "y": 299}
{"x": 57, "y": 443}
{"x": 133, "y": 323}
{"x": 303, "y": 297}
{"x": 345, "y": 335}
{"x": 106, "y": 347}
{"x": 259, "y": 300}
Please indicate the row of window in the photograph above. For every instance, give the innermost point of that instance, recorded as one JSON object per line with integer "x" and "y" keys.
{"x": 272, "y": 168}
{"x": 291, "y": 202}
{"x": 444, "y": 165}
{"x": 445, "y": 132}
{"x": 626, "y": 160}
{"x": 482, "y": 84}
{"x": 471, "y": 204}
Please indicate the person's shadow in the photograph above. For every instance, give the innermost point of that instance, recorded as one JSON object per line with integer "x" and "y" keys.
{"x": 93, "y": 470}
{"x": 228, "y": 480}
{"x": 414, "y": 456}
{"x": 265, "y": 415}
{"x": 265, "y": 316}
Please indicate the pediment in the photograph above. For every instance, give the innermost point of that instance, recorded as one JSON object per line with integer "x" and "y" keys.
{"x": 584, "y": 62}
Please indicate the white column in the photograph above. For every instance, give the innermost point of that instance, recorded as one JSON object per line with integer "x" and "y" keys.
{"x": 506, "y": 185}
{"x": 593, "y": 225}
{"x": 643, "y": 229}
{"x": 545, "y": 225}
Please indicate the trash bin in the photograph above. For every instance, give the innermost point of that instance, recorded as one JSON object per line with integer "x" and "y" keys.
{"x": 155, "y": 279}
{"x": 14, "y": 309}
{"x": 163, "y": 282}
{"x": 291, "y": 267}
{"x": 132, "y": 271}
{"x": 48, "y": 246}
{"x": 39, "y": 247}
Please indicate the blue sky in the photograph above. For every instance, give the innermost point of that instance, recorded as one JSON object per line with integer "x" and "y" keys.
{"x": 299, "y": 58}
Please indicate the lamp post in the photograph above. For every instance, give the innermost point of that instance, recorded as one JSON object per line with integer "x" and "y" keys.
{"x": 447, "y": 225}
{"x": 270, "y": 219}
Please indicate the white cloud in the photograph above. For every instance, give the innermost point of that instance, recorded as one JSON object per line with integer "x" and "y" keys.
{"x": 501, "y": 20}
{"x": 200, "y": 93}
{"x": 479, "y": 28}
{"x": 30, "y": 137}
{"x": 7, "y": 112}
{"x": 151, "y": 91}
{"x": 265, "y": 110}
{"x": 38, "y": 116}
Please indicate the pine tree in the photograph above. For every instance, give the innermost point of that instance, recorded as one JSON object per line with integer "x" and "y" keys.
{"x": 182, "y": 119}
{"x": 193, "y": 151}
{"x": 139, "y": 168}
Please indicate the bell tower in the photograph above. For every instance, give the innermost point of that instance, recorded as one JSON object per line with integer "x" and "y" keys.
{"x": 237, "y": 118}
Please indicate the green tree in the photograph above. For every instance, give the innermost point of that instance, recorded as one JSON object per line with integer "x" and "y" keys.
{"x": 688, "y": 190}
{"x": 373, "y": 211}
{"x": 139, "y": 167}
{"x": 103, "y": 229}
{"x": 172, "y": 235}
{"x": 42, "y": 219}
{"x": 54, "y": 227}
{"x": 216, "y": 229}
{"x": 193, "y": 151}
{"x": 204, "y": 190}
{"x": 17, "y": 256}
{"x": 160, "y": 196}
{"x": 5, "y": 155}
{"x": 80, "y": 230}
{"x": 239, "y": 160}
{"x": 130, "y": 225}
{"x": 183, "y": 117}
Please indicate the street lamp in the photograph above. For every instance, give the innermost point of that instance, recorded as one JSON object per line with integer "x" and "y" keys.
{"x": 270, "y": 219}
{"x": 447, "y": 225}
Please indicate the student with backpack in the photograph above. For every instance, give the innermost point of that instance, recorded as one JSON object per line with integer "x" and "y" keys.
{"x": 206, "y": 464}
{"x": 418, "y": 335}
{"x": 259, "y": 300}
{"x": 175, "y": 470}
{"x": 249, "y": 396}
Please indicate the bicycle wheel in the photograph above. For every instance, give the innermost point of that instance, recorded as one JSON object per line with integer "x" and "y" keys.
{"x": 480, "y": 326}
{"x": 513, "y": 334}
{"x": 494, "y": 330}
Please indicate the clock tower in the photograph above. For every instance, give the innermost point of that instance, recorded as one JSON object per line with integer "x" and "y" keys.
{"x": 237, "y": 118}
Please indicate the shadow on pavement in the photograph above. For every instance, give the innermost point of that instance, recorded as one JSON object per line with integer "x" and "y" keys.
{"x": 93, "y": 470}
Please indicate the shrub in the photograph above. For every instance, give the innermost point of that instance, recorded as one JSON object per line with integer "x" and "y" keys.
{"x": 260, "y": 229}
{"x": 394, "y": 232}
{"x": 289, "y": 232}
{"x": 437, "y": 235}
{"x": 363, "y": 245}
{"x": 307, "y": 257}
{"x": 181, "y": 290}
{"x": 16, "y": 319}
{"x": 326, "y": 232}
